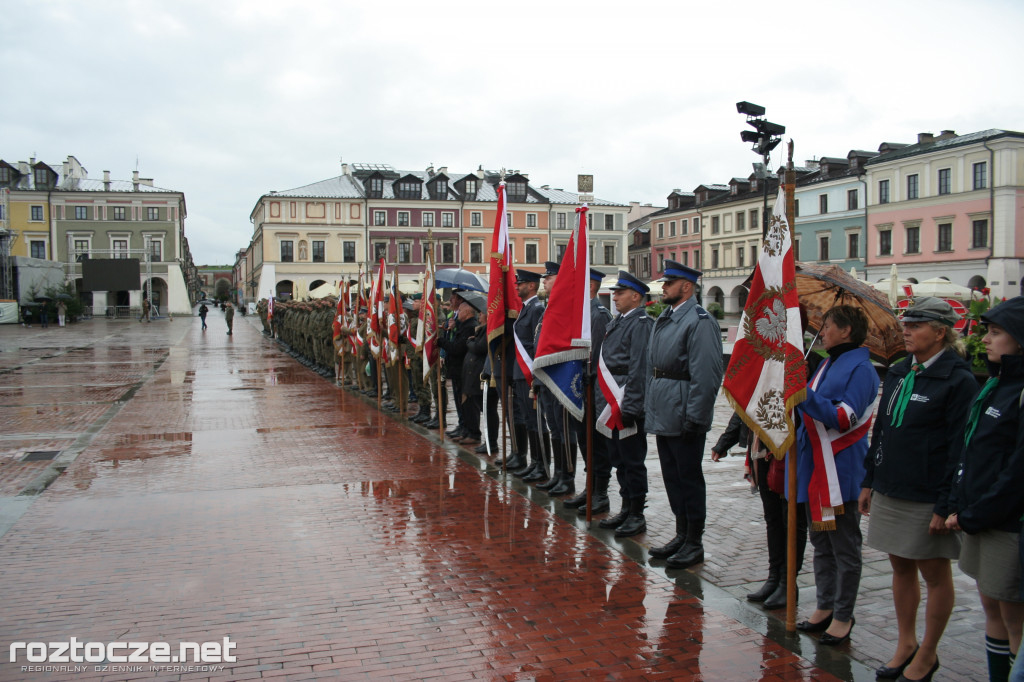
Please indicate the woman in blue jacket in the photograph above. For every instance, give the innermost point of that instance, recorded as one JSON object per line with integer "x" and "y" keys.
{"x": 987, "y": 497}
{"x": 915, "y": 447}
{"x": 832, "y": 439}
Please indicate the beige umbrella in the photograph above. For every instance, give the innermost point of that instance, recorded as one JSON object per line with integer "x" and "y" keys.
{"x": 940, "y": 287}
{"x": 894, "y": 287}
{"x": 891, "y": 287}
{"x": 323, "y": 291}
{"x": 411, "y": 286}
{"x": 300, "y": 290}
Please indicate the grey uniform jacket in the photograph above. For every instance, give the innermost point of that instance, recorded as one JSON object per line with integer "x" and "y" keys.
{"x": 688, "y": 342}
{"x": 599, "y": 319}
{"x": 624, "y": 350}
{"x": 525, "y": 327}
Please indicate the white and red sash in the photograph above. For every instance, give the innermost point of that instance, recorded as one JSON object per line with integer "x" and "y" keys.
{"x": 524, "y": 359}
{"x": 823, "y": 493}
{"x": 610, "y": 418}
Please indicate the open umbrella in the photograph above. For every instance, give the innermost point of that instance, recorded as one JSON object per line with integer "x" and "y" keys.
{"x": 940, "y": 287}
{"x": 459, "y": 278}
{"x": 821, "y": 287}
{"x": 64, "y": 297}
{"x": 43, "y": 298}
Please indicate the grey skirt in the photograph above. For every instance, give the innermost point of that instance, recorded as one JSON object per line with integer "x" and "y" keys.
{"x": 992, "y": 558}
{"x": 900, "y": 527}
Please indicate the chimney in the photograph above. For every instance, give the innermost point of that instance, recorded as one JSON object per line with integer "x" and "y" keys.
{"x": 946, "y": 135}
{"x": 135, "y": 181}
{"x": 480, "y": 172}
{"x": 443, "y": 170}
{"x": 106, "y": 181}
{"x": 344, "y": 169}
{"x": 925, "y": 138}
{"x": 430, "y": 170}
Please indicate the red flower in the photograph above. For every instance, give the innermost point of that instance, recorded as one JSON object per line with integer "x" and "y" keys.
{"x": 986, "y": 291}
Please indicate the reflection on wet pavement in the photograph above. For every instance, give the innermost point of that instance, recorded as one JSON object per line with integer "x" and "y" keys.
{"x": 325, "y": 538}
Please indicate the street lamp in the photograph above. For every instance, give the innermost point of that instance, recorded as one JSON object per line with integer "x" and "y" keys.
{"x": 765, "y": 137}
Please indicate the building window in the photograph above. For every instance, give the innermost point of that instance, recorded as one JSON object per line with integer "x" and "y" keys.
{"x": 740, "y": 256}
{"x": 476, "y": 252}
{"x": 560, "y": 251}
{"x": 883, "y": 191}
{"x": 609, "y": 221}
{"x": 447, "y": 219}
{"x": 609, "y": 253}
{"x": 979, "y": 234}
{"x": 119, "y": 213}
{"x": 428, "y": 219}
{"x": 380, "y": 218}
{"x": 661, "y": 230}
{"x": 696, "y": 258}
{"x": 441, "y": 188}
{"x": 517, "y": 191}
{"x": 912, "y": 186}
{"x": 560, "y": 221}
{"x": 37, "y": 249}
{"x": 471, "y": 188}
{"x": 741, "y": 221}
{"x": 714, "y": 225}
{"x": 348, "y": 251}
{"x": 686, "y": 258}
{"x": 851, "y": 200}
{"x": 81, "y": 247}
{"x": 156, "y": 248}
{"x": 885, "y": 242}
{"x": 696, "y": 224}
{"x": 409, "y": 190}
{"x": 823, "y": 203}
{"x": 661, "y": 262}
{"x": 671, "y": 228}
{"x": 714, "y": 258}
{"x": 684, "y": 226}
{"x": 318, "y": 251}
{"x": 944, "y": 181}
{"x": 508, "y": 219}
{"x": 531, "y": 220}
{"x": 476, "y": 219}
{"x": 120, "y": 248}
{"x": 404, "y": 252}
{"x": 287, "y": 251}
{"x": 41, "y": 178}
{"x": 152, "y": 213}
{"x": 531, "y": 253}
{"x": 913, "y": 240}
{"x": 853, "y": 245}
{"x": 380, "y": 250}
{"x": 754, "y": 225}
{"x": 376, "y": 187}
{"x": 81, "y": 213}
{"x": 945, "y": 240}
{"x": 979, "y": 175}
{"x": 447, "y": 252}
{"x": 823, "y": 247}
{"x": 37, "y": 213}
{"x": 796, "y": 207}
{"x": 403, "y": 219}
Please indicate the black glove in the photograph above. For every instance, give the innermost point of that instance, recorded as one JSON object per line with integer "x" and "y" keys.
{"x": 692, "y": 430}
{"x": 629, "y": 420}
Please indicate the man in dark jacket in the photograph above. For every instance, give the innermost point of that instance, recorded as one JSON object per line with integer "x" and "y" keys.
{"x": 524, "y": 413}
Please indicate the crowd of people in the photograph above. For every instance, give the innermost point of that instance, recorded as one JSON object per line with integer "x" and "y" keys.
{"x": 936, "y": 463}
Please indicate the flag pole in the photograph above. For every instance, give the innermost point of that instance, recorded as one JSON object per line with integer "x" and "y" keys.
{"x": 791, "y": 591}
{"x": 440, "y": 415}
{"x": 504, "y": 409}
{"x": 590, "y": 450}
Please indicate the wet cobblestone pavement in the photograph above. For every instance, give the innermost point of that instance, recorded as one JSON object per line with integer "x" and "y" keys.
{"x": 208, "y": 486}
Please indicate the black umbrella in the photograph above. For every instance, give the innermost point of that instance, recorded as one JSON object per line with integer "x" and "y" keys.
{"x": 65, "y": 297}
{"x": 44, "y": 298}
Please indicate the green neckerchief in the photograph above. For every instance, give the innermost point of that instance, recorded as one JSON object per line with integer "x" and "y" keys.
{"x": 972, "y": 420}
{"x": 906, "y": 390}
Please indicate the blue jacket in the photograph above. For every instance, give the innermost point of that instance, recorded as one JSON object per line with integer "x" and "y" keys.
{"x": 849, "y": 378}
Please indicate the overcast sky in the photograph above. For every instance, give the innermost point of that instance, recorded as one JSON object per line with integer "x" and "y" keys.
{"x": 228, "y": 99}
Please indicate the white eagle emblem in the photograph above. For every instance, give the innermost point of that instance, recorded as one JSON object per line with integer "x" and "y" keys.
{"x": 772, "y": 327}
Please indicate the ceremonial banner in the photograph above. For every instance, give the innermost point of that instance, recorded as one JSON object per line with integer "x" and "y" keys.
{"x": 270, "y": 309}
{"x": 394, "y": 311}
{"x": 502, "y": 297}
{"x": 564, "y": 344}
{"x": 426, "y": 331}
{"x": 341, "y": 315}
{"x": 374, "y": 314}
{"x": 767, "y": 375}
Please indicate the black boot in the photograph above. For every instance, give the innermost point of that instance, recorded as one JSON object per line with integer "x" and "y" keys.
{"x": 777, "y": 599}
{"x": 767, "y": 589}
{"x": 423, "y": 416}
{"x": 692, "y": 551}
{"x": 599, "y": 501}
{"x": 635, "y": 523}
{"x": 567, "y": 483}
{"x": 518, "y": 458}
{"x": 665, "y": 551}
{"x": 536, "y": 470}
{"x": 616, "y": 521}
{"x": 556, "y": 475}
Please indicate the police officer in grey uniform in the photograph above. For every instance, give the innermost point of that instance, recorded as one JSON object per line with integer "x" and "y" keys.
{"x": 555, "y": 417}
{"x": 684, "y": 369}
{"x": 599, "y": 319}
{"x": 524, "y": 414}
{"x": 624, "y": 352}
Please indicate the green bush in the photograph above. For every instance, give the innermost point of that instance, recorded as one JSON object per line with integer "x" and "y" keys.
{"x": 975, "y": 347}
{"x": 716, "y": 310}
{"x": 655, "y": 308}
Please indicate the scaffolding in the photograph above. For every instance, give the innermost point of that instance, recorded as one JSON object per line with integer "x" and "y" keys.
{"x": 7, "y": 237}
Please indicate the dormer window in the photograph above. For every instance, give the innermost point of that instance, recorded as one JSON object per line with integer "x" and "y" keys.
{"x": 441, "y": 189}
{"x": 753, "y": 185}
{"x": 408, "y": 189}
{"x": 471, "y": 188}
{"x": 42, "y": 178}
{"x": 376, "y": 187}
{"x": 517, "y": 190}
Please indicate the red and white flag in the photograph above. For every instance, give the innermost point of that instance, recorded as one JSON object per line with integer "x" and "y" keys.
{"x": 426, "y": 331}
{"x": 394, "y": 311}
{"x": 767, "y": 375}
{"x": 374, "y": 314}
{"x": 502, "y": 296}
{"x": 270, "y": 309}
{"x": 610, "y": 418}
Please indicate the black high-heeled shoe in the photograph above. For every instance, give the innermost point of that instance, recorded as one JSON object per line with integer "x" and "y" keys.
{"x": 820, "y": 626}
{"x": 887, "y": 673}
{"x": 926, "y": 678}
{"x": 832, "y": 640}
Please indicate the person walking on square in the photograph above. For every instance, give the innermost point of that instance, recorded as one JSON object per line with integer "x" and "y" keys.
{"x": 203, "y": 311}
{"x": 986, "y": 501}
{"x": 622, "y": 369}
{"x": 62, "y": 312}
{"x": 684, "y": 370}
{"x": 914, "y": 448}
{"x": 229, "y": 317}
{"x": 145, "y": 311}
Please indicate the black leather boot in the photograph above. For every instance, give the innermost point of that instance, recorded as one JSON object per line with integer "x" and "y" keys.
{"x": 567, "y": 482}
{"x": 536, "y": 470}
{"x": 518, "y": 458}
{"x": 556, "y": 475}
{"x": 598, "y": 500}
{"x": 777, "y": 599}
{"x": 692, "y": 551}
{"x": 635, "y": 523}
{"x": 667, "y": 550}
{"x": 616, "y": 521}
{"x": 769, "y": 587}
